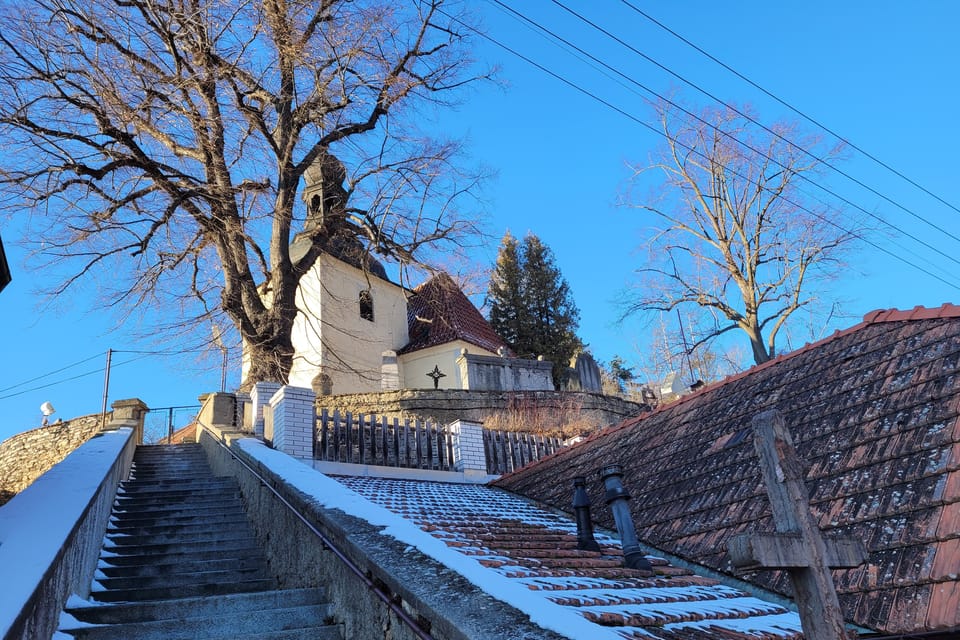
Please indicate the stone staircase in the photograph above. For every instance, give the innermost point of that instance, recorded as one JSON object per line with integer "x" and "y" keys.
{"x": 180, "y": 560}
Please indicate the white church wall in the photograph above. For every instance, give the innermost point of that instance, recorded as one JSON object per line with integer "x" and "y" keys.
{"x": 339, "y": 342}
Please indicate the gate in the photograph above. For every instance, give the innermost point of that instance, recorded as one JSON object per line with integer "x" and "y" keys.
{"x": 161, "y": 423}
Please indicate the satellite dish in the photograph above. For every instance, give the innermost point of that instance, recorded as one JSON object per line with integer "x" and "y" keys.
{"x": 47, "y": 409}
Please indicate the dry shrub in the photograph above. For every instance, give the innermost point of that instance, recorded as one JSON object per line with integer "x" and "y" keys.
{"x": 561, "y": 418}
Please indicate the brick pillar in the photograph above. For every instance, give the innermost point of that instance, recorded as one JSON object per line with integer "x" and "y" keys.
{"x": 294, "y": 421}
{"x": 468, "y": 455}
{"x": 260, "y": 396}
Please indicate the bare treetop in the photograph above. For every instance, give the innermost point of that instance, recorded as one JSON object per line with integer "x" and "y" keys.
{"x": 164, "y": 143}
{"x": 735, "y": 235}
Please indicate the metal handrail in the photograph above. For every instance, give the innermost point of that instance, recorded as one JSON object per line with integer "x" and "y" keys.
{"x": 328, "y": 544}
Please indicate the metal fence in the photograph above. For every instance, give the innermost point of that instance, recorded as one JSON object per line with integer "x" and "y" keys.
{"x": 161, "y": 423}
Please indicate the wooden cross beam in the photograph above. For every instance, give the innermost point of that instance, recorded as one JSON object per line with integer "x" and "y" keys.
{"x": 798, "y": 546}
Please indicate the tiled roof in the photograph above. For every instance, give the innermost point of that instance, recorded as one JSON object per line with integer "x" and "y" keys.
{"x": 537, "y": 548}
{"x": 874, "y": 412}
{"x": 438, "y": 312}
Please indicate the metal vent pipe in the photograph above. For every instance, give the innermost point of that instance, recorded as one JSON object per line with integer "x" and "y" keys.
{"x": 581, "y": 509}
{"x": 617, "y": 496}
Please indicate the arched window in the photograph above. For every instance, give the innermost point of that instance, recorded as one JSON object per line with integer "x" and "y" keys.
{"x": 366, "y": 305}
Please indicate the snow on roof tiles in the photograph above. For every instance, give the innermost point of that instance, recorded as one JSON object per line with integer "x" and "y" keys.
{"x": 537, "y": 548}
{"x": 874, "y": 411}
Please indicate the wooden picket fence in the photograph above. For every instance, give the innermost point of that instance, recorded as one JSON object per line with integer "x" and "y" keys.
{"x": 507, "y": 451}
{"x": 368, "y": 439}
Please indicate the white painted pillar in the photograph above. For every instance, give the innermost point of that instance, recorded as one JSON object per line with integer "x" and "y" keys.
{"x": 294, "y": 420}
{"x": 468, "y": 455}
{"x": 260, "y": 396}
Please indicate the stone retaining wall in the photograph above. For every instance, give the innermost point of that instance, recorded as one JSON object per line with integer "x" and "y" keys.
{"x": 52, "y": 533}
{"x": 447, "y": 405}
{"x": 441, "y": 600}
{"x": 28, "y": 455}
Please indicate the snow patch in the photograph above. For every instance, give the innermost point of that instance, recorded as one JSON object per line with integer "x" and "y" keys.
{"x": 329, "y": 493}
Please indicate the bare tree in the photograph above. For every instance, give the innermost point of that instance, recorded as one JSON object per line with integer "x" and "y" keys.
{"x": 736, "y": 235}
{"x": 161, "y": 146}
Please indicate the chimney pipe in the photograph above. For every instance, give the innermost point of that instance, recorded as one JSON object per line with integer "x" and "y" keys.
{"x": 581, "y": 507}
{"x": 617, "y": 497}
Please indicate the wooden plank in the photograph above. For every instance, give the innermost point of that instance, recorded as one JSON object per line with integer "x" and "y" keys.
{"x": 418, "y": 441}
{"x": 384, "y": 428}
{"x": 428, "y": 439}
{"x": 448, "y": 437}
{"x": 783, "y": 550}
{"x": 504, "y": 448}
{"x": 337, "y": 453}
{"x": 348, "y": 432}
{"x": 396, "y": 443}
{"x": 361, "y": 439}
{"x": 324, "y": 426}
{"x": 814, "y": 591}
{"x": 441, "y": 457}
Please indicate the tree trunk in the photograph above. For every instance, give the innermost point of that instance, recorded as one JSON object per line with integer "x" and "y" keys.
{"x": 270, "y": 358}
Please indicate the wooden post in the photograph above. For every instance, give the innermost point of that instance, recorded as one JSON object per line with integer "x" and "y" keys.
{"x": 799, "y": 548}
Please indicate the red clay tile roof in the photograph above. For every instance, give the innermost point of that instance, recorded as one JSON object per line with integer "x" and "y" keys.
{"x": 874, "y": 411}
{"x": 438, "y": 312}
{"x": 539, "y": 549}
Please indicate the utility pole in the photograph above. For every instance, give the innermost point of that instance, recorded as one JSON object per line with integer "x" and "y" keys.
{"x": 106, "y": 388}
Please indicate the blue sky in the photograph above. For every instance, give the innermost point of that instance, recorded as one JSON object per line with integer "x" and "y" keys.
{"x": 882, "y": 74}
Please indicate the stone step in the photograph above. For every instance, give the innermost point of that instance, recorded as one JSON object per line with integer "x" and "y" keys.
{"x": 178, "y": 578}
{"x": 196, "y": 607}
{"x": 165, "y": 554}
{"x": 182, "y": 591}
{"x": 199, "y": 483}
{"x": 185, "y": 516}
{"x": 180, "y": 560}
{"x": 175, "y": 493}
{"x": 284, "y": 624}
{"x": 165, "y": 509}
{"x": 173, "y": 548}
{"x": 160, "y": 507}
{"x": 177, "y": 536}
{"x": 180, "y": 565}
{"x": 225, "y": 522}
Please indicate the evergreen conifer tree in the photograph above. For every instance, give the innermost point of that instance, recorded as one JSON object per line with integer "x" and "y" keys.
{"x": 531, "y": 306}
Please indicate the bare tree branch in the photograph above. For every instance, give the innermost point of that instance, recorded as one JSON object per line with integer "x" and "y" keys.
{"x": 734, "y": 235}
{"x": 165, "y": 143}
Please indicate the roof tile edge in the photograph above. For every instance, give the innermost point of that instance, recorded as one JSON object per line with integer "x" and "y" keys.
{"x": 946, "y": 310}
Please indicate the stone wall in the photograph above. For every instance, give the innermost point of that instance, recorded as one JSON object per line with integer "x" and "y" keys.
{"x": 447, "y": 405}
{"x": 52, "y": 532}
{"x": 28, "y": 455}
{"x": 442, "y": 601}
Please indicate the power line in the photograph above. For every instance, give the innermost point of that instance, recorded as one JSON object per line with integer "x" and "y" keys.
{"x": 646, "y": 125}
{"x": 141, "y": 354}
{"x": 792, "y": 108}
{"x": 692, "y": 84}
{"x": 47, "y": 375}
{"x": 759, "y": 152}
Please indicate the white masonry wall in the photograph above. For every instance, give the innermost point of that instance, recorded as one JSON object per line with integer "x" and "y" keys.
{"x": 468, "y": 455}
{"x": 259, "y": 397}
{"x": 294, "y": 419}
